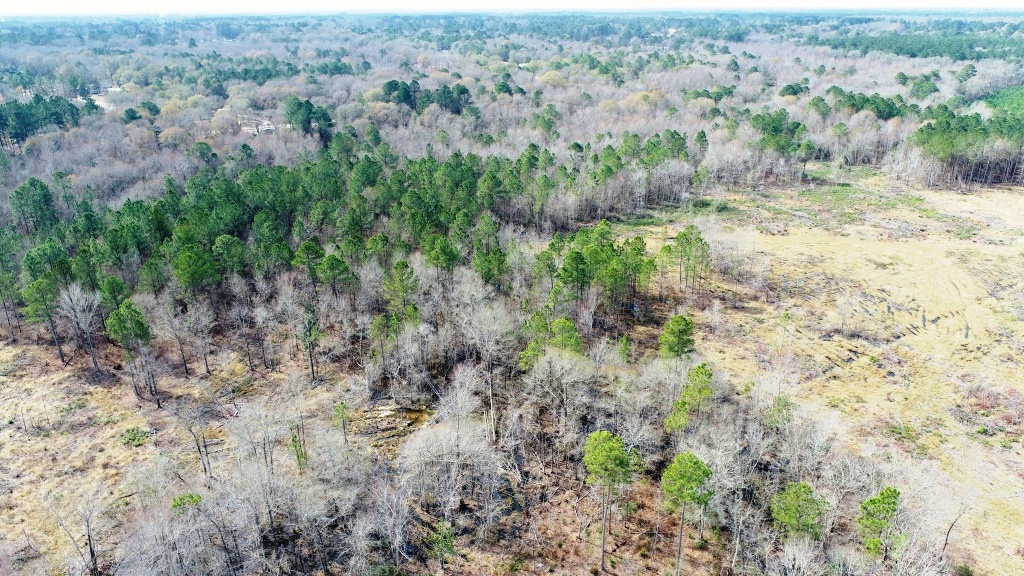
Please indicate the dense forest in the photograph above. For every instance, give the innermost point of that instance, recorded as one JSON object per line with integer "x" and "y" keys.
{"x": 265, "y": 230}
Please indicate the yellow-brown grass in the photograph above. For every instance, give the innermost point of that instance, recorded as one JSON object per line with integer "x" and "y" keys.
{"x": 60, "y": 444}
{"x": 903, "y": 311}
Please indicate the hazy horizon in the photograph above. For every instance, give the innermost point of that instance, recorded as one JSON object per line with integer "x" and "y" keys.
{"x": 185, "y": 8}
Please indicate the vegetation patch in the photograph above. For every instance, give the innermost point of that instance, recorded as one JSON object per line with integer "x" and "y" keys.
{"x": 135, "y": 437}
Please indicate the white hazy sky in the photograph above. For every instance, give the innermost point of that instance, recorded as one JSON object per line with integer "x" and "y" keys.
{"x": 185, "y": 7}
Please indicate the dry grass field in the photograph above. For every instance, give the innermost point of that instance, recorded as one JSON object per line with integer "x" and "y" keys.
{"x": 895, "y": 318}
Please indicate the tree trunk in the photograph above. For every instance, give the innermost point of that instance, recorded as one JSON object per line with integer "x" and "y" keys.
{"x": 490, "y": 397}
{"x": 248, "y": 353}
{"x": 92, "y": 350}
{"x": 263, "y": 353}
{"x": 17, "y": 319}
{"x": 56, "y": 342}
{"x": 736, "y": 542}
{"x": 151, "y": 377}
{"x": 312, "y": 371}
{"x": 604, "y": 525}
{"x": 181, "y": 350}
{"x": 7, "y": 315}
{"x": 700, "y": 531}
{"x": 135, "y": 383}
{"x": 679, "y": 546}
{"x": 94, "y": 569}
{"x": 199, "y": 451}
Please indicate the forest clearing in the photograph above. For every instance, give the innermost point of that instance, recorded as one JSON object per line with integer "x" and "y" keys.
{"x": 904, "y": 347}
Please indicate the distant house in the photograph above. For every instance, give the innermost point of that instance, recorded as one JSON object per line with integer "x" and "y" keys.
{"x": 254, "y": 125}
{"x": 8, "y": 145}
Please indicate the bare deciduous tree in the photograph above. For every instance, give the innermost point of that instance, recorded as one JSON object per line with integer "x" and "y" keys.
{"x": 489, "y": 330}
{"x": 171, "y": 324}
{"x": 199, "y": 321}
{"x": 79, "y": 308}
{"x": 562, "y": 382}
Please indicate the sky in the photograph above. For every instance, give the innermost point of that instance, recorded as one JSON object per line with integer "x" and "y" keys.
{"x": 187, "y": 7}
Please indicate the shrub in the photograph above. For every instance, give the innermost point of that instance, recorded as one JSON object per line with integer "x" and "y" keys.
{"x": 135, "y": 436}
{"x": 186, "y": 500}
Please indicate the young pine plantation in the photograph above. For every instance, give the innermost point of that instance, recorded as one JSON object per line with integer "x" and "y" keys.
{"x": 533, "y": 294}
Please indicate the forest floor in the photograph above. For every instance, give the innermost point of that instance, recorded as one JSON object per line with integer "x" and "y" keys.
{"x": 895, "y": 318}
{"x": 62, "y": 445}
